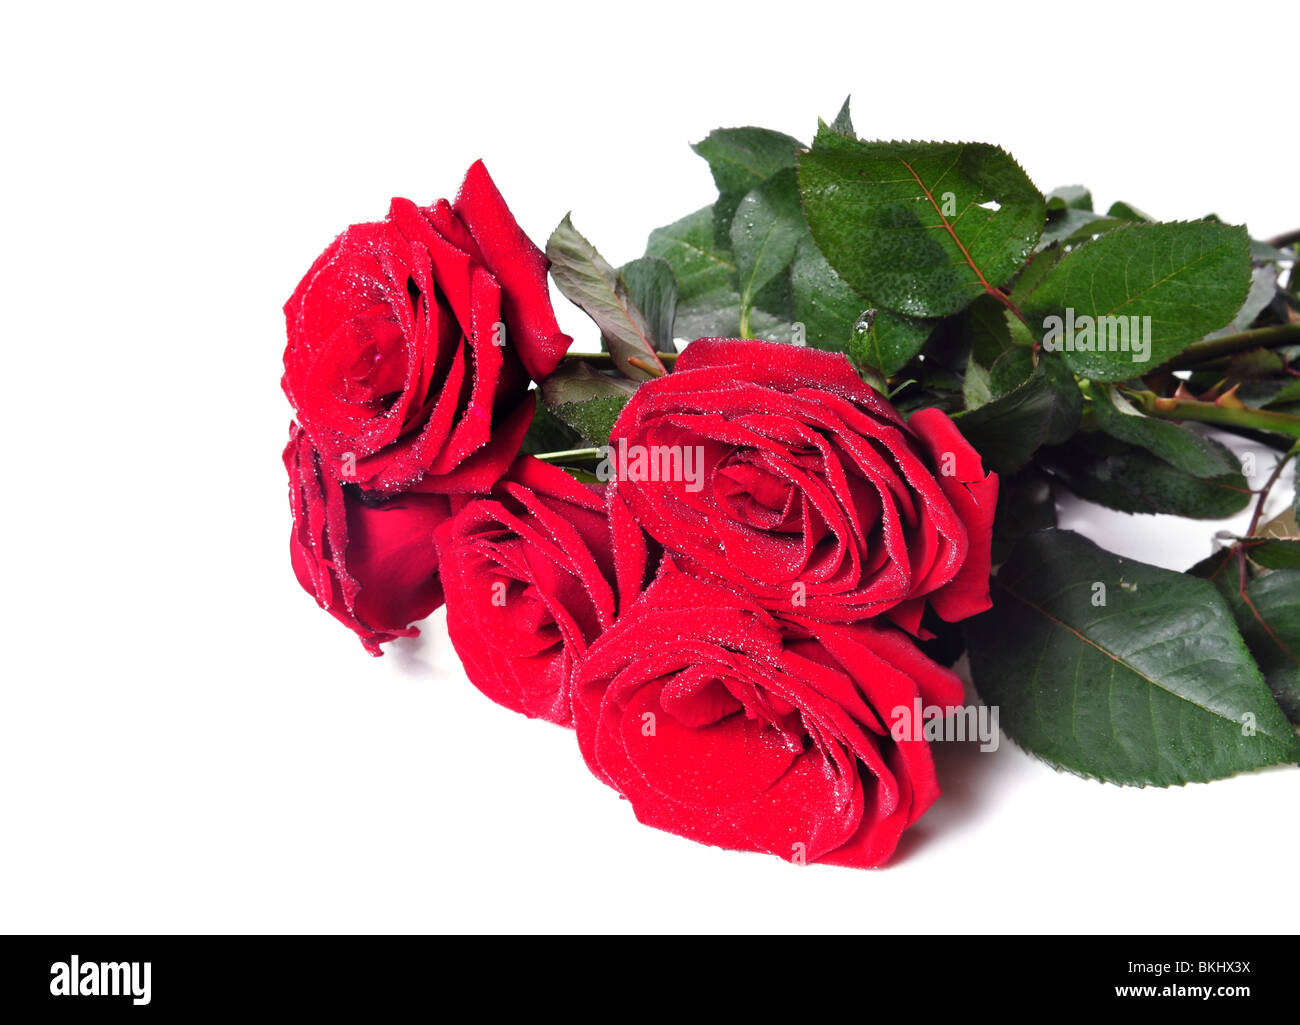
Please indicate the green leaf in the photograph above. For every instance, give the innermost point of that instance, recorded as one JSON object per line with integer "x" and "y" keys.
{"x": 922, "y": 228}
{"x": 1045, "y": 409}
{"x": 700, "y": 266}
{"x": 1015, "y": 367}
{"x": 843, "y": 123}
{"x": 1070, "y": 197}
{"x": 708, "y": 302}
{"x": 989, "y": 331}
{"x": 714, "y": 314}
{"x": 1276, "y": 553}
{"x": 1175, "y": 444}
{"x": 1269, "y": 621}
{"x": 1092, "y": 229}
{"x": 1065, "y": 223}
{"x": 1025, "y": 505}
{"x": 764, "y": 234}
{"x": 1064, "y": 231}
{"x": 717, "y": 314}
{"x": 741, "y": 158}
{"x": 589, "y": 282}
{"x": 1120, "y": 476}
{"x": 826, "y": 306}
{"x": 653, "y": 287}
{"x": 976, "y": 388}
{"x": 577, "y": 380}
{"x": 1127, "y": 212}
{"x": 1217, "y": 569}
{"x": 594, "y": 420}
{"x": 830, "y": 311}
{"x": 1120, "y": 671}
{"x": 1262, "y": 291}
{"x": 885, "y": 342}
{"x": 1038, "y": 267}
{"x": 586, "y": 400}
{"x": 1288, "y": 394}
{"x": 548, "y": 433}
{"x": 1262, "y": 252}
{"x": 772, "y": 327}
{"x": 1069, "y": 212}
{"x": 1190, "y": 278}
{"x": 998, "y": 344}
{"x": 1272, "y": 632}
{"x": 1071, "y": 229}
{"x": 1252, "y": 371}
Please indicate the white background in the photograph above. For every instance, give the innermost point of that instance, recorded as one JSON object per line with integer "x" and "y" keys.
{"x": 188, "y": 744}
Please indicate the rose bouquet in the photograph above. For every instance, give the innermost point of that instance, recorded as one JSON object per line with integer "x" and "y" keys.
{"x": 738, "y": 549}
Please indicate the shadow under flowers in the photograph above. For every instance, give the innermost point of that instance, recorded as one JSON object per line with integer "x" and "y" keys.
{"x": 971, "y": 775}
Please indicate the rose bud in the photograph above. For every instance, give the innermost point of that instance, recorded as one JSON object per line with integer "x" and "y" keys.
{"x": 807, "y": 489}
{"x": 726, "y": 724}
{"x": 411, "y": 342}
{"x": 371, "y": 563}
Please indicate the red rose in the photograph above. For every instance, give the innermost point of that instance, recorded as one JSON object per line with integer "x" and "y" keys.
{"x": 371, "y": 564}
{"x": 807, "y": 490}
{"x": 731, "y": 726}
{"x": 530, "y": 579}
{"x": 411, "y": 342}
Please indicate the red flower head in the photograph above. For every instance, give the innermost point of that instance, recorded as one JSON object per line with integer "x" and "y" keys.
{"x": 729, "y": 725}
{"x": 372, "y": 565}
{"x": 531, "y": 581}
{"x": 809, "y": 491}
{"x": 411, "y": 342}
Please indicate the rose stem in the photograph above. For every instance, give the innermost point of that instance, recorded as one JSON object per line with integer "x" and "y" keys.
{"x": 1250, "y": 532}
{"x": 1211, "y": 413}
{"x": 1260, "y": 337}
{"x": 568, "y": 454}
{"x": 605, "y": 357}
